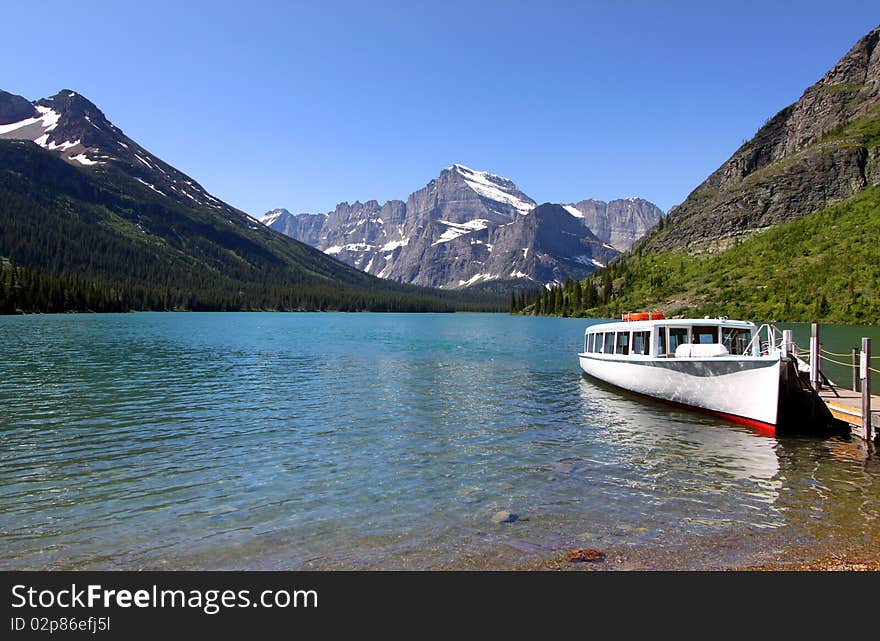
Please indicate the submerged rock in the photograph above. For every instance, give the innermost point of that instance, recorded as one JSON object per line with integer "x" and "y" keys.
{"x": 504, "y": 516}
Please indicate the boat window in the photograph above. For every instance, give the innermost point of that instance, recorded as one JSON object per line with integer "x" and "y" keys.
{"x": 736, "y": 340}
{"x": 705, "y": 334}
{"x": 640, "y": 342}
{"x": 661, "y": 341}
{"x": 622, "y": 343}
{"x": 608, "y": 347}
{"x": 677, "y": 336}
{"x": 591, "y": 341}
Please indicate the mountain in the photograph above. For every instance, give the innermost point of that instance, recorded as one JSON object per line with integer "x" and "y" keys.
{"x": 620, "y": 223}
{"x": 787, "y": 228}
{"x": 469, "y": 227}
{"x": 14, "y": 109}
{"x": 89, "y": 219}
{"x": 77, "y": 131}
{"x": 304, "y": 227}
{"x": 814, "y": 153}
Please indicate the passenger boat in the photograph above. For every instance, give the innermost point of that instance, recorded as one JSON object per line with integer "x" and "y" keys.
{"x": 718, "y": 366}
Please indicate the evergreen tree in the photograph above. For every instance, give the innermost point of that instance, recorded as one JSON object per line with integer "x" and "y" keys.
{"x": 606, "y": 287}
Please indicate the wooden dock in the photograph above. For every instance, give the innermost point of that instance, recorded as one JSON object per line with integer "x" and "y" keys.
{"x": 848, "y": 407}
{"x": 860, "y": 409}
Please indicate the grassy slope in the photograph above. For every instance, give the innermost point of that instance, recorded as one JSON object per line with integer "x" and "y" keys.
{"x": 798, "y": 271}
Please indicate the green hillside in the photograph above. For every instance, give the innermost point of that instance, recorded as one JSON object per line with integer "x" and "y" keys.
{"x": 822, "y": 267}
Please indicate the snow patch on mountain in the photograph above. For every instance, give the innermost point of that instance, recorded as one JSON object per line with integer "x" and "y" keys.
{"x": 351, "y": 247}
{"x": 394, "y": 244}
{"x": 49, "y": 118}
{"x": 64, "y": 146}
{"x": 46, "y": 122}
{"x": 493, "y": 187}
{"x": 588, "y": 260}
{"x": 271, "y": 217}
{"x": 143, "y": 161}
{"x": 89, "y": 120}
{"x": 459, "y": 229}
{"x": 476, "y": 278}
{"x": 153, "y": 187}
{"x": 14, "y": 126}
{"x": 84, "y": 160}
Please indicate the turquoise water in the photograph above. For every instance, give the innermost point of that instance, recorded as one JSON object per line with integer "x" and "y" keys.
{"x": 840, "y": 339}
{"x": 276, "y": 441}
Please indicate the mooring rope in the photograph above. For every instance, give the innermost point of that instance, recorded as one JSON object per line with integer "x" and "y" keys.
{"x": 831, "y": 360}
{"x": 825, "y": 351}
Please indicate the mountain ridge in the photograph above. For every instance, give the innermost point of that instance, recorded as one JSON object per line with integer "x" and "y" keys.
{"x": 450, "y": 233}
{"x": 80, "y": 200}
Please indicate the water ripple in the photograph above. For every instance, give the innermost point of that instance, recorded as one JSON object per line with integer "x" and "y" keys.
{"x": 281, "y": 440}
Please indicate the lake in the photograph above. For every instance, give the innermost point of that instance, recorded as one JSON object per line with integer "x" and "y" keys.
{"x": 288, "y": 441}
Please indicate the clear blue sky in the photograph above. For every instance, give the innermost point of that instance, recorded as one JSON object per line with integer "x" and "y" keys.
{"x": 303, "y": 105}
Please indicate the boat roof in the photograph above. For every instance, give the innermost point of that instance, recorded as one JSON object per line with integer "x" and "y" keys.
{"x": 674, "y": 322}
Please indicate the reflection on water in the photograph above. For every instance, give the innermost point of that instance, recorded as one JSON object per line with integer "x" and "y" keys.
{"x": 334, "y": 440}
{"x": 636, "y": 424}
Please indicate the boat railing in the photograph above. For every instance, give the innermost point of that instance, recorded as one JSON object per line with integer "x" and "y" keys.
{"x": 774, "y": 341}
{"x": 756, "y": 340}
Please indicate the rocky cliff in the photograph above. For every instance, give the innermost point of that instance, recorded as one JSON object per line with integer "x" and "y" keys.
{"x": 620, "y": 223}
{"x": 15, "y": 109}
{"x": 303, "y": 227}
{"x": 819, "y": 151}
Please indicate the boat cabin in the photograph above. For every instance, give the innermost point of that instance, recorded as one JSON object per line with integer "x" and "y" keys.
{"x": 672, "y": 338}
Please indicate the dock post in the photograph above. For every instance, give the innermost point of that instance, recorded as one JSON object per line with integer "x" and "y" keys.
{"x": 855, "y": 357}
{"x": 786, "y": 343}
{"x": 814, "y": 357}
{"x": 866, "y": 387}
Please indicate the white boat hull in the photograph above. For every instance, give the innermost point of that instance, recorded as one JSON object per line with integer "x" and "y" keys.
{"x": 742, "y": 388}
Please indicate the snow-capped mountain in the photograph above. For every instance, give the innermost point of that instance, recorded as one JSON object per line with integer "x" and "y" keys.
{"x": 80, "y": 200}
{"x": 463, "y": 228}
{"x": 71, "y": 126}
